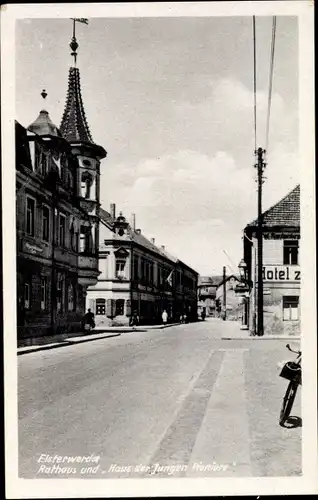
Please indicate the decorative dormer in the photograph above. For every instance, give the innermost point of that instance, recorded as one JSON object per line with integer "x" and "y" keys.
{"x": 121, "y": 225}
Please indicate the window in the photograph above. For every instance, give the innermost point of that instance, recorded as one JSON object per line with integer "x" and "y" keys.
{"x": 45, "y": 164}
{"x": 119, "y": 307}
{"x": 43, "y": 293}
{"x": 62, "y": 230}
{"x": 60, "y": 293}
{"x": 100, "y": 307}
{"x": 120, "y": 267}
{"x": 45, "y": 223}
{"x": 70, "y": 298}
{"x": 291, "y": 308}
{"x": 136, "y": 268}
{"x": 27, "y": 295}
{"x": 86, "y": 183}
{"x": 85, "y": 239}
{"x": 30, "y": 209}
{"x": 291, "y": 252}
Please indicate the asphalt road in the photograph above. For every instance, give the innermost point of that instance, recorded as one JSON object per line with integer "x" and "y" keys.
{"x": 179, "y": 402}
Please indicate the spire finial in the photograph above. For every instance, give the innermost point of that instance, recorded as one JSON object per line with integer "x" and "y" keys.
{"x": 44, "y": 94}
{"x": 74, "y": 44}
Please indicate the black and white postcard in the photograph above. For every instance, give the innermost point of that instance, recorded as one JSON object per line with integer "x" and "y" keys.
{"x": 159, "y": 249}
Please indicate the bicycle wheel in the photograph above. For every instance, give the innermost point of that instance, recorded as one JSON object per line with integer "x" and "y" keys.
{"x": 288, "y": 402}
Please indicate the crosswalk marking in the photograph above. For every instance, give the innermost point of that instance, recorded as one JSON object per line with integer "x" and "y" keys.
{"x": 222, "y": 444}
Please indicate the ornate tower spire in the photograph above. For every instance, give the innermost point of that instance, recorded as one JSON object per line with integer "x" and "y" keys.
{"x": 74, "y": 127}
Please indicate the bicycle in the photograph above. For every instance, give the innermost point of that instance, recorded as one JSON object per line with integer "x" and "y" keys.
{"x": 292, "y": 372}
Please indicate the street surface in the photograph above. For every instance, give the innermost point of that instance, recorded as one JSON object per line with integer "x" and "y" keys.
{"x": 178, "y": 402}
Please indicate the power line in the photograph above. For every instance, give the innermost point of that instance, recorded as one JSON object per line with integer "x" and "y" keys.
{"x": 231, "y": 262}
{"x": 270, "y": 80}
{"x": 254, "y": 72}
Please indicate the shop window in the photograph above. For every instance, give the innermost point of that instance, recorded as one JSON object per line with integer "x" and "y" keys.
{"x": 45, "y": 223}
{"x": 119, "y": 311}
{"x": 100, "y": 307}
{"x": 62, "y": 224}
{"x": 290, "y": 308}
{"x": 44, "y": 293}
{"x": 30, "y": 216}
{"x": 27, "y": 296}
{"x": 60, "y": 293}
{"x": 291, "y": 248}
{"x": 71, "y": 298}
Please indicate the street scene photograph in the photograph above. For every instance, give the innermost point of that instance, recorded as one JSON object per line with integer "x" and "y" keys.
{"x": 158, "y": 243}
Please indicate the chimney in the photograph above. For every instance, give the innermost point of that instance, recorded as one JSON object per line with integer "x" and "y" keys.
{"x": 133, "y": 221}
{"x": 113, "y": 210}
{"x": 138, "y": 231}
{"x": 152, "y": 240}
{"x": 163, "y": 247}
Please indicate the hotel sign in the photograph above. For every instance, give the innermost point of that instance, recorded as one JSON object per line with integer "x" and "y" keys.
{"x": 281, "y": 273}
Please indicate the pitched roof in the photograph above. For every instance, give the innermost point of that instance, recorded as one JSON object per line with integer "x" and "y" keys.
{"x": 227, "y": 279}
{"x": 139, "y": 238}
{"x": 210, "y": 280}
{"x": 74, "y": 127}
{"x": 284, "y": 213}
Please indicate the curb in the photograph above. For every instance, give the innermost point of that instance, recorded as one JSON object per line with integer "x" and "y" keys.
{"x": 265, "y": 337}
{"x": 64, "y": 343}
{"x": 101, "y": 335}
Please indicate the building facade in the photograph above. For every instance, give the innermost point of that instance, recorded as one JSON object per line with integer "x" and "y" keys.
{"x": 207, "y": 286}
{"x": 57, "y": 214}
{"x": 281, "y": 266}
{"x": 138, "y": 279}
{"x": 228, "y": 307}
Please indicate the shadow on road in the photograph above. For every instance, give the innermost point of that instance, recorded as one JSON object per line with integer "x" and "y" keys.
{"x": 293, "y": 422}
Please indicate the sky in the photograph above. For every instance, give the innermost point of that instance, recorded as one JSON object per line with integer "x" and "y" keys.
{"x": 171, "y": 100}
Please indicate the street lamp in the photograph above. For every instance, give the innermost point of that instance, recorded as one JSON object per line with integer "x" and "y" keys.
{"x": 242, "y": 268}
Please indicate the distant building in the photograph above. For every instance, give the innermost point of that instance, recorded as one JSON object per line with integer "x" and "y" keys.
{"x": 57, "y": 214}
{"x": 138, "y": 280}
{"x": 281, "y": 266}
{"x": 232, "y": 301}
{"x": 207, "y": 286}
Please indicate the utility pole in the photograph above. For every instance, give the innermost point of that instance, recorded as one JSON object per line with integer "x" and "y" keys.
{"x": 224, "y": 292}
{"x": 260, "y": 314}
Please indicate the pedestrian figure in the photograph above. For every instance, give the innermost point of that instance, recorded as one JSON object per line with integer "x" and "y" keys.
{"x": 164, "y": 317}
{"x": 89, "y": 322}
{"x": 184, "y": 318}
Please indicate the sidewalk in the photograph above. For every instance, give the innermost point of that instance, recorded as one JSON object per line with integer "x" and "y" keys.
{"x": 232, "y": 331}
{"x": 63, "y": 340}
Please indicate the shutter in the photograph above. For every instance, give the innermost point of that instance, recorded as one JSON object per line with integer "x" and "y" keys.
{"x": 110, "y": 308}
{"x": 128, "y": 308}
{"x": 91, "y": 305}
{"x": 113, "y": 307}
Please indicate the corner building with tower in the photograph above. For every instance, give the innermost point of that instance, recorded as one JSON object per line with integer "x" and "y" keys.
{"x": 57, "y": 216}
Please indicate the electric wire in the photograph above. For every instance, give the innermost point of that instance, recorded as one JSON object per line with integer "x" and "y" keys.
{"x": 254, "y": 81}
{"x": 271, "y": 72}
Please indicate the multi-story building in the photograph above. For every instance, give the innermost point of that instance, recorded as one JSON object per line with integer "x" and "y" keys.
{"x": 281, "y": 266}
{"x": 207, "y": 286}
{"x": 137, "y": 278}
{"x": 57, "y": 214}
